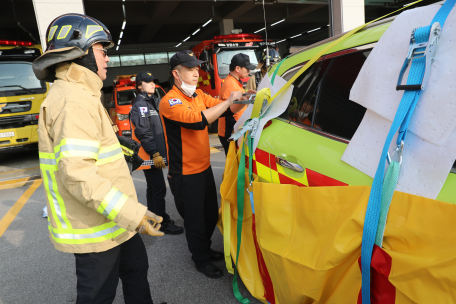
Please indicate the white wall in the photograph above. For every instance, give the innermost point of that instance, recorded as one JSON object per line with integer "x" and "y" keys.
{"x": 347, "y": 15}
{"x": 160, "y": 71}
{"x": 48, "y": 10}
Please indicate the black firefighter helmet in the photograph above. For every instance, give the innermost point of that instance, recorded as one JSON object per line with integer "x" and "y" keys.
{"x": 69, "y": 37}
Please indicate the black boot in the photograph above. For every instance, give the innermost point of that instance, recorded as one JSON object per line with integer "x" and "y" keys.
{"x": 168, "y": 227}
{"x": 217, "y": 256}
{"x": 210, "y": 271}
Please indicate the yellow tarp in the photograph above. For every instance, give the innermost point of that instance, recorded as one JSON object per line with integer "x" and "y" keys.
{"x": 310, "y": 239}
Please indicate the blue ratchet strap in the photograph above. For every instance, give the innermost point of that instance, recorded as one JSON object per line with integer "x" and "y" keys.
{"x": 401, "y": 121}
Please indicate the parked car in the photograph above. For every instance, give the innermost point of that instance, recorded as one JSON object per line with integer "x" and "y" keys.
{"x": 321, "y": 119}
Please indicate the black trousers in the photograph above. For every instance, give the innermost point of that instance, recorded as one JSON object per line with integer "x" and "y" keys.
{"x": 98, "y": 274}
{"x": 225, "y": 143}
{"x": 156, "y": 192}
{"x": 195, "y": 196}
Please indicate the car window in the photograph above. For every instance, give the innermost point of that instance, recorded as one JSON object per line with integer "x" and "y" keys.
{"x": 301, "y": 104}
{"x": 334, "y": 112}
{"x": 125, "y": 97}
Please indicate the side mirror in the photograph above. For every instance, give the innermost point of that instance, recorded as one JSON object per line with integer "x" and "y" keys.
{"x": 207, "y": 65}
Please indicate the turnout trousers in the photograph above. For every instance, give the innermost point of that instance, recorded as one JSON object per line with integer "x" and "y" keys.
{"x": 195, "y": 196}
{"x": 156, "y": 192}
{"x": 98, "y": 274}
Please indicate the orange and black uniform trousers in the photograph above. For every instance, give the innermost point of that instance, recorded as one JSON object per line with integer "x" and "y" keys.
{"x": 195, "y": 196}
{"x": 230, "y": 121}
{"x": 98, "y": 274}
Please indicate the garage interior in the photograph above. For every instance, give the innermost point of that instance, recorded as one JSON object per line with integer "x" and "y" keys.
{"x": 148, "y": 32}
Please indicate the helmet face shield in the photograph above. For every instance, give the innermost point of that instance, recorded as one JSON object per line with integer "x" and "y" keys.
{"x": 69, "y": 37}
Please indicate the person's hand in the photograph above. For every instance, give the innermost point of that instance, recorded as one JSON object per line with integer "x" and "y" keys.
{"x": 159, "y": 163}
{"x": 251, "y": 92}
{"x": 235, "y": 96}
{"x": 150, "y": 224}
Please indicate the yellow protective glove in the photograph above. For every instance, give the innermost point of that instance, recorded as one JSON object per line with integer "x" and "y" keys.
{"x": 150, "y": 224}
{"x": 158, "y": 161}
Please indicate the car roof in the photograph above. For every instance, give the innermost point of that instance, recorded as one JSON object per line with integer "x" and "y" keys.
{"x": 370, "y": 34}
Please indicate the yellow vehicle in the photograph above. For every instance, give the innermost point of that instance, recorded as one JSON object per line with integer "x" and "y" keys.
{"x": 21, "y": 95}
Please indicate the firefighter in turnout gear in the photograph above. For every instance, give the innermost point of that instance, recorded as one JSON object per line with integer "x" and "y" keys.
{"x": 93, "y": 209}
{"x": 254, "y": 81}
{"x": 147, "y": 129}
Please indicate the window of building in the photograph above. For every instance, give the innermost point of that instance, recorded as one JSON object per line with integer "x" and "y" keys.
{"x": 171, "y": 54}
{"x": 156, "y": 58}
{"x": 131, "y": 60}
{"x": 114, "y": 61}
{"x": 335, "y": 113}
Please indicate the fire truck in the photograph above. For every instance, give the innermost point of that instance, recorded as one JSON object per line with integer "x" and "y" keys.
{"x": 218, "y": 53}
{"x": 122, "y": 96}
{"x": 21, "y": 95}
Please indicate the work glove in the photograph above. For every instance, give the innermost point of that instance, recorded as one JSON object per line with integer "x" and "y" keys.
{"x": 158, "y": 161}
{"x": 150, "y": 224}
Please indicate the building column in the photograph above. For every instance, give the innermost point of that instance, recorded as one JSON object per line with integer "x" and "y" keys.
{"x": 345, "y": 15}
{"x": 48, "y": 10}
{"x": 226, "y": 25}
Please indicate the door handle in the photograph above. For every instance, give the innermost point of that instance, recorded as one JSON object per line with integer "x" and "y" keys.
{"x": 289, "y": 165}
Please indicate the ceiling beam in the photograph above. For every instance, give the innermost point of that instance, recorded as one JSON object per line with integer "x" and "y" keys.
{"x": 158, "y": 18}
{"x": 240, "y": 10}
{"x": 304, "y": 11}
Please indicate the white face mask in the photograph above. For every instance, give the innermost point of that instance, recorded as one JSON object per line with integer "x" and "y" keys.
{"x": 189, "y": 89}
{"x": 303, "y": 115}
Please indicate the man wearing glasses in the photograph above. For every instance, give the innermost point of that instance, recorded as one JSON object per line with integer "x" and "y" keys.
{"x": 93, "y": 209}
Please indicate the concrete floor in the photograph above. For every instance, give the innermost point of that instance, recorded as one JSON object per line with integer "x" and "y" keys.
{"x": 32, "y": 271}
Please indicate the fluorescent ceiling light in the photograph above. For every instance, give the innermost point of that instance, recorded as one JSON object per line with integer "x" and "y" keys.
{"x": 314, "y": 30}
{"x": 178, "y": 44}
{"x": 123, "y": 24}
{"x": 118, "y": 42}
{"x": 186, "y": 39}
{"x": 281, "y": 40}
{"x": 117, "y": 48}
{"x": 209, "y": 21}
{"x": 278, "y": 22}
{"x": 259, "y": 30}
{"x": 295, "y": 36}
{"x": 196, "y": 31}
{"x": 121, "y": 34}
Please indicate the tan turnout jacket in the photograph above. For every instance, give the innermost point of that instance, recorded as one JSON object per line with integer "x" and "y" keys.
{"x": 92, "y": 203}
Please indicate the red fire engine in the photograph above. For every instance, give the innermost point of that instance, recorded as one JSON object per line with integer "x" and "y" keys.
{"x": 218, "y": 53}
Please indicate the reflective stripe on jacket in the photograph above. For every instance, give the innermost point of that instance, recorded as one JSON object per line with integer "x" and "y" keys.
{"x": 92, "y": 203}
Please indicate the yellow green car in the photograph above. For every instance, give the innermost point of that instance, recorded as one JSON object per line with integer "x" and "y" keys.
{"x": 305, "y": 144}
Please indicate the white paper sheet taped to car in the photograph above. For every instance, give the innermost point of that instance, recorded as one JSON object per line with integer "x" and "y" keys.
{"x": 277, "y": 107}
{"x": 375, "y": 87}
{"x": 425, "y": 166}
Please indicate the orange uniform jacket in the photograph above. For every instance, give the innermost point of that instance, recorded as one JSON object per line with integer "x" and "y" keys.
{"x": 187, "y": 138}
{"x": 226, "y": 124}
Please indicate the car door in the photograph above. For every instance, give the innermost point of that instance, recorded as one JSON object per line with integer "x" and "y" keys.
{"x": 308, "y": 150}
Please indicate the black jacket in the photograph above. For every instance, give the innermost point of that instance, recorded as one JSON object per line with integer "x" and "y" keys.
{"x": 148, "y": 127}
